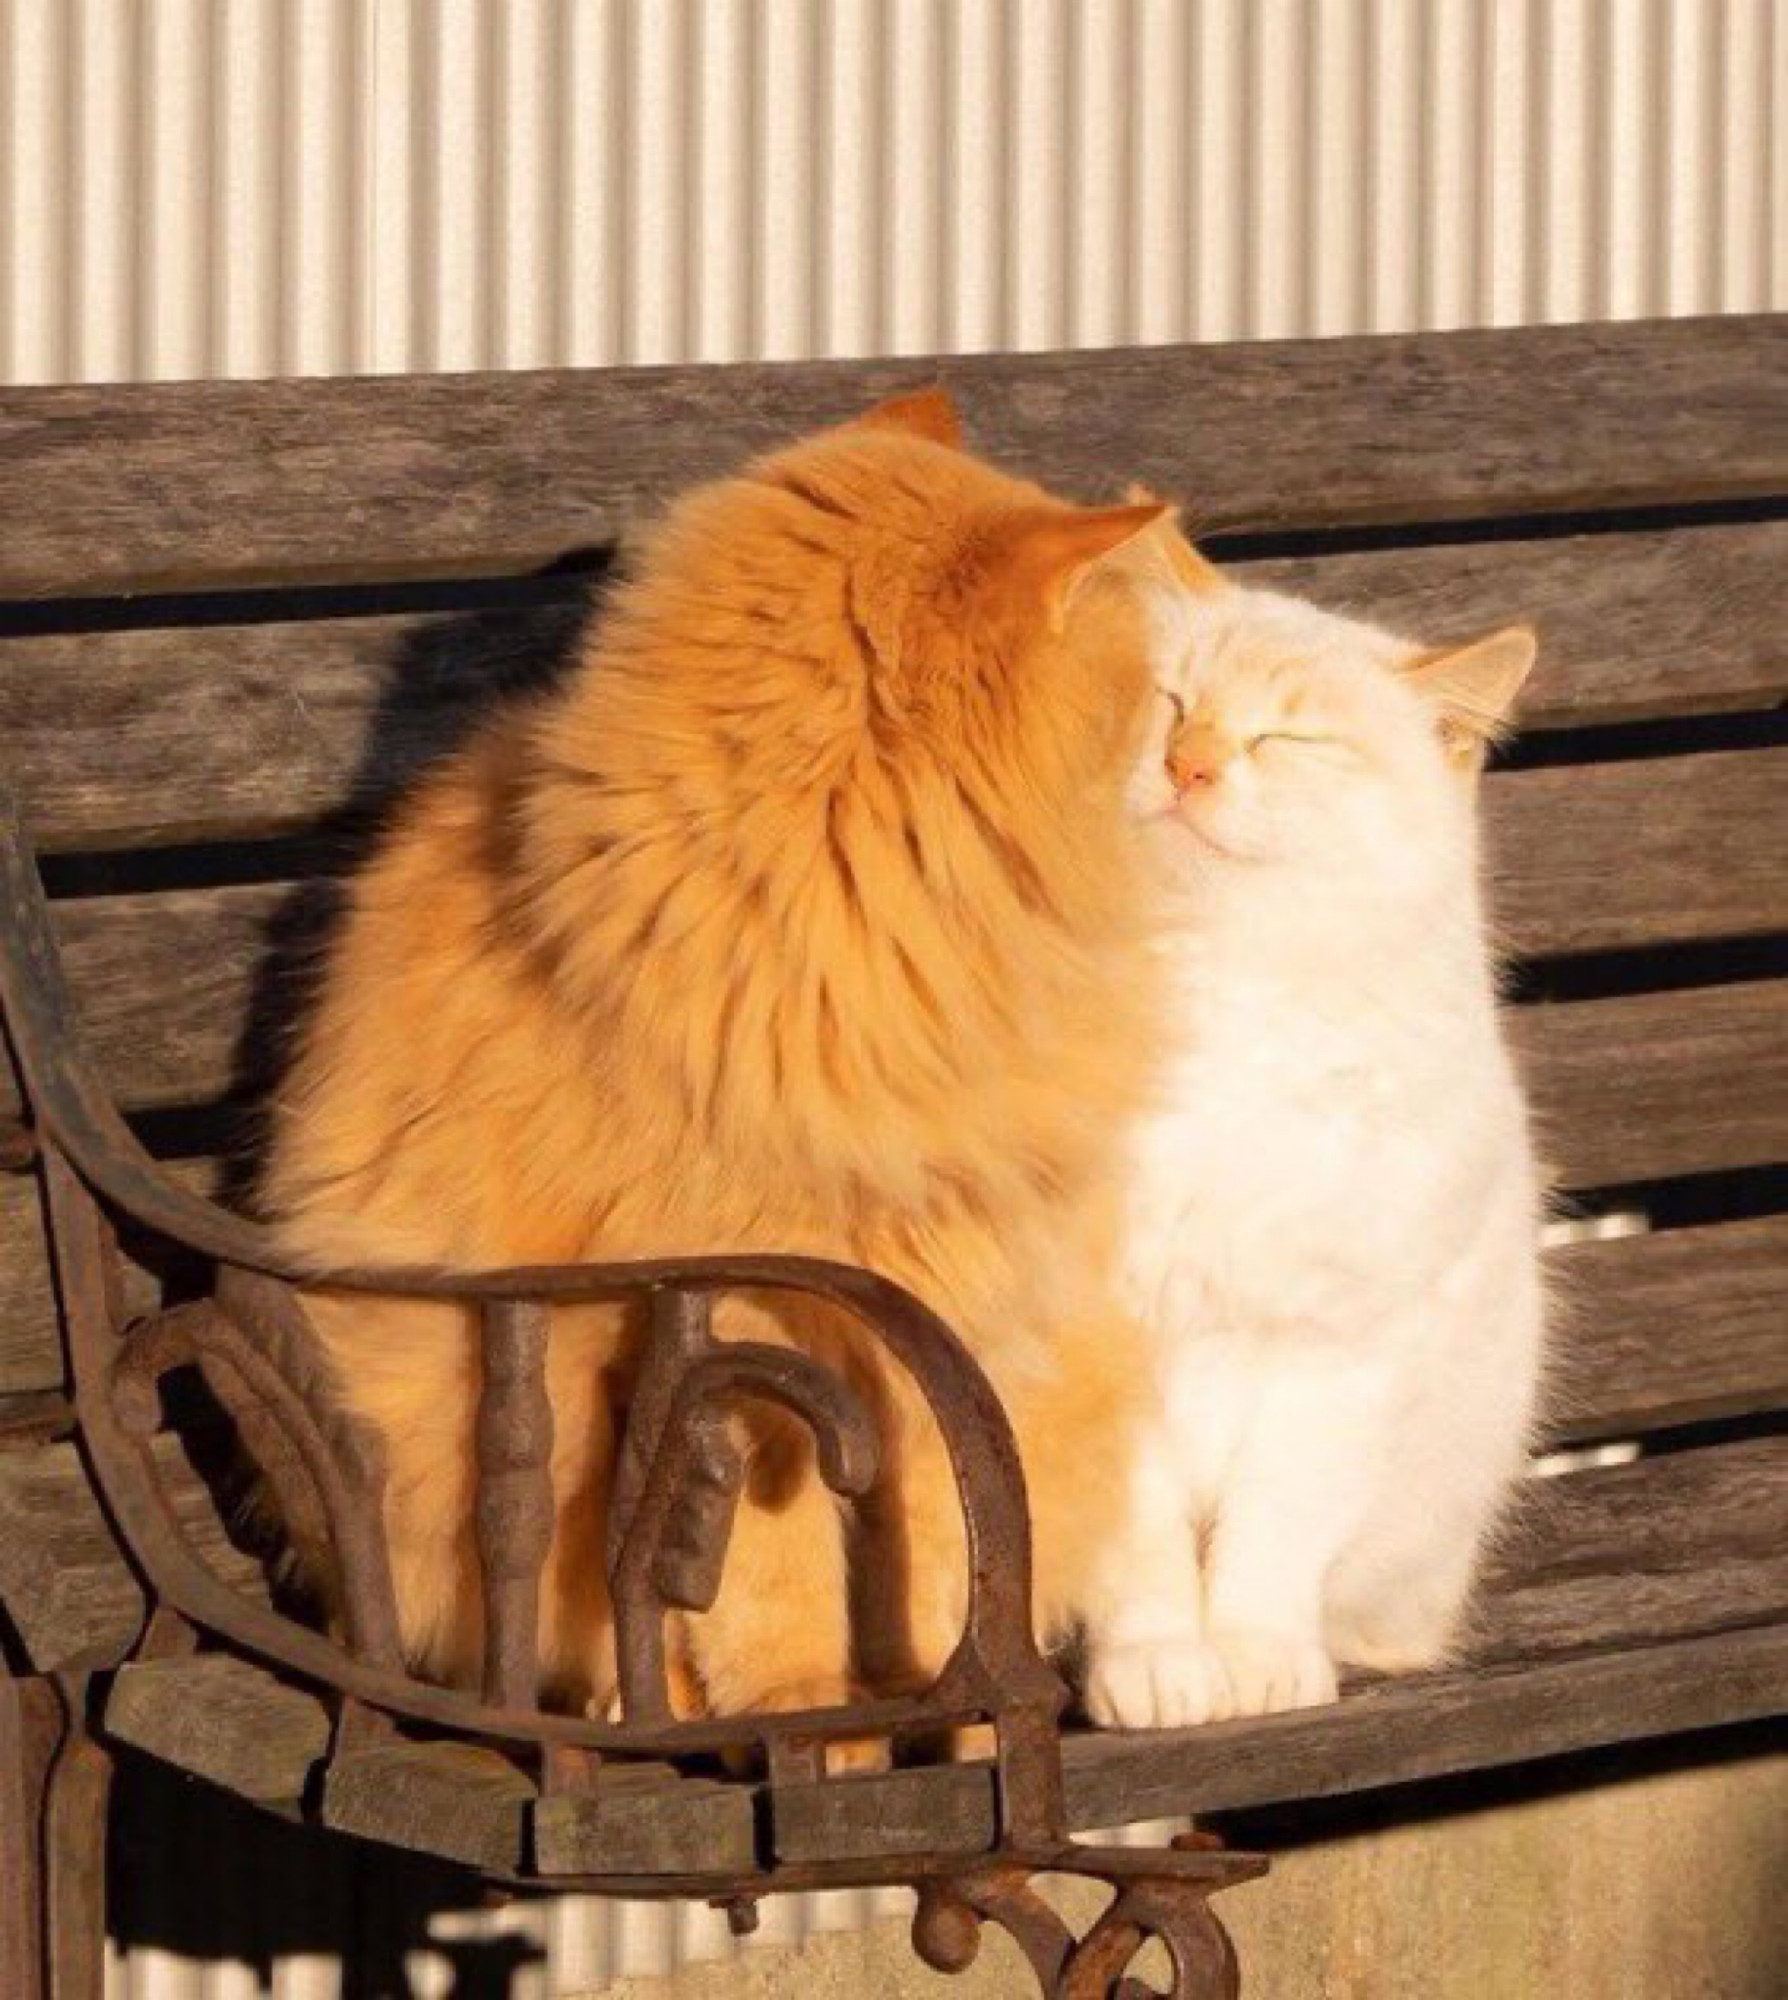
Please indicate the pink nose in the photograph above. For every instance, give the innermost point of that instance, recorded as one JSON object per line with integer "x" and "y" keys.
{"x": 1189, "y": 768}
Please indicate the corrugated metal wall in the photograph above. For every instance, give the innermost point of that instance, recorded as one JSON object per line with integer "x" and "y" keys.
{"x": 259, "y": 187}
{"x": 255, "y": 187}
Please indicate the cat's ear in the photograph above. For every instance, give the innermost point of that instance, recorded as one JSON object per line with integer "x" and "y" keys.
{"x": 925, "y": 413}
{"x": 1049, "y": 552}
{"x": 1474, "y": 687}
{"x": 1175, "y": 558}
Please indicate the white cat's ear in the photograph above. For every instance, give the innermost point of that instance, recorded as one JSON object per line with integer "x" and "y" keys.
{"x": 1170, "y": 555}
{"x": 1050, "y": 551}
{"x": 1474, "y": 688}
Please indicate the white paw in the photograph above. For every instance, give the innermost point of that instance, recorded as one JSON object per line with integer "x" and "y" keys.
{"x": 1264, "y": 1672}
{"x": 1154, "y": 1684}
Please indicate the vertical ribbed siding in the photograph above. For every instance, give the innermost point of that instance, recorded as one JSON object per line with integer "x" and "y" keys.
{"x": 261, "y": 187}
{"x": 258, "y": 187}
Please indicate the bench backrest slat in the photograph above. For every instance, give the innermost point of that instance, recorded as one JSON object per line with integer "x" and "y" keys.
{"x": 198, "y": 483}
{"x": 236, "y": 731}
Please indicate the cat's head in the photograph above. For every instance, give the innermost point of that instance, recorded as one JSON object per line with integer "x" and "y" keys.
{"x": 1283, "y": 733}
{"x": 888, "y": 595}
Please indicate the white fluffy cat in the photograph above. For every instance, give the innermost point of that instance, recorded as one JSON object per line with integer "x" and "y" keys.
{"x": 1334, "y": 1222}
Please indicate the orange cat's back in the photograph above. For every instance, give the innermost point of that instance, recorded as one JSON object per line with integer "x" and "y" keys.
{"x": 803, "y": 917}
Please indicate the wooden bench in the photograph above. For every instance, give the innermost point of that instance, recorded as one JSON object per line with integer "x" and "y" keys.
{"x": 234, "y": 618}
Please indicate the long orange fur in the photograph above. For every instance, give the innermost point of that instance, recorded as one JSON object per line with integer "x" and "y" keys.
{"x": 801, "y": 918}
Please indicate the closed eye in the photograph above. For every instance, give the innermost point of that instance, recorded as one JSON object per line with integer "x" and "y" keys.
{"x": 1292, "y": 736}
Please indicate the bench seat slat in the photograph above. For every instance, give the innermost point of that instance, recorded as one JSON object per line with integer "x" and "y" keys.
{"x": 1671, "y": 1624}
{"x": 1397, "y": 1733}
{"x": 126, "y": 489}
{"x": 135, "y": 738}
{"x": 1610, "y": 1575}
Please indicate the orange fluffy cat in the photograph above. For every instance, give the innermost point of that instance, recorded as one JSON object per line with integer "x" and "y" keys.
{"x": 802, "y": 918}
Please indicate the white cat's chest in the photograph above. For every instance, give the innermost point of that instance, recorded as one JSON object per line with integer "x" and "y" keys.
{"x": 1304, "y": 1159}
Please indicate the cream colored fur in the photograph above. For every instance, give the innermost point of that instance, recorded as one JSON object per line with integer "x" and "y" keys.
{"x": 1334, "y": 1211}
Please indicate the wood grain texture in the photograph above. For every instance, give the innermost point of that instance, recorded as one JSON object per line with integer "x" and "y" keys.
{"x": 1396, "y": 1732}
{"x": 1676, "y": 1327}
{"x": 1631, "y": 625}
{"x": 1692, "y": 1541}
{"x": 1659, "y": 850}
{"x": 647, "y": 1829}
{"x": 1400, "y": 1732}
{"x": 1633, "y": 1601}
{"x": 30, "y": 1345}
{"x": 127, "y": 489}
{"x": 1633, "y": 1088}
{"x": 1653, "y": 1084}
{"x": 163, "y": 986}
{"x": 223, "y": 1720}
{"x": 220, "y": 732}
{"x": 123, "y": 739}
{"x": 66, "y": 1589}
{"x": 455, "y": 1799}
{"x": 1640, "y": 1601}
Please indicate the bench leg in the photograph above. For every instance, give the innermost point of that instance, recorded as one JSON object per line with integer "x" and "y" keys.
{"x": 54, "y": 1785}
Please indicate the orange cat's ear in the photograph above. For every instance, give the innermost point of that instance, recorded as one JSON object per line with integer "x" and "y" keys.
{"x": 1180, "y": 563}
{"x": 926, "y": 413}
{"x": 1475, "y": 686}
{"x": 1048, "y": 552}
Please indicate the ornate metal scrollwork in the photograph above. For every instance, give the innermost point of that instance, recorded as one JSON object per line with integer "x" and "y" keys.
{"x": 1159, "y": 1897}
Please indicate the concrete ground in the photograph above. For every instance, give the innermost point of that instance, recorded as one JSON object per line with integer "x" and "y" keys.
{"x": 1671, "y": 1886}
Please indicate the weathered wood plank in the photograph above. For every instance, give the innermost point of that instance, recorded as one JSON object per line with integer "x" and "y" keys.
{"x": 1631, "y": 625}
{"x": 118, "y": 489}
{"x": 1641, "y": 1601}
{"x": 219, "y": 732}
{"x": 1659, "y": 850}
{"x": 30, "y": 1349}
{"x": 223, "y": 1720}
{"x": 1686, "y": 1542}
{"x": 1675, "y": 1327}
{"x": 1653, "y": 1084}
{"x": 659, "y": 1828}
{"x": 163, "y": 985}
{"x": 222, "y": 732}
{"x": 819, "y": 1822}
{"x": 1634, "y": 1601}
{"x": 454, "y": 1799}
{"x": 1631, "y": 1088}
{"x": 30, "y": 1346}
{"x": 1399, "y": 1732}
{"x": 68, "y": 1592}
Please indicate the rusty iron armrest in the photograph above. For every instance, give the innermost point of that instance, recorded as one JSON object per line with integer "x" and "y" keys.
{"x": 677, "y": 1482}
{"x": 90, "y": 1152}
